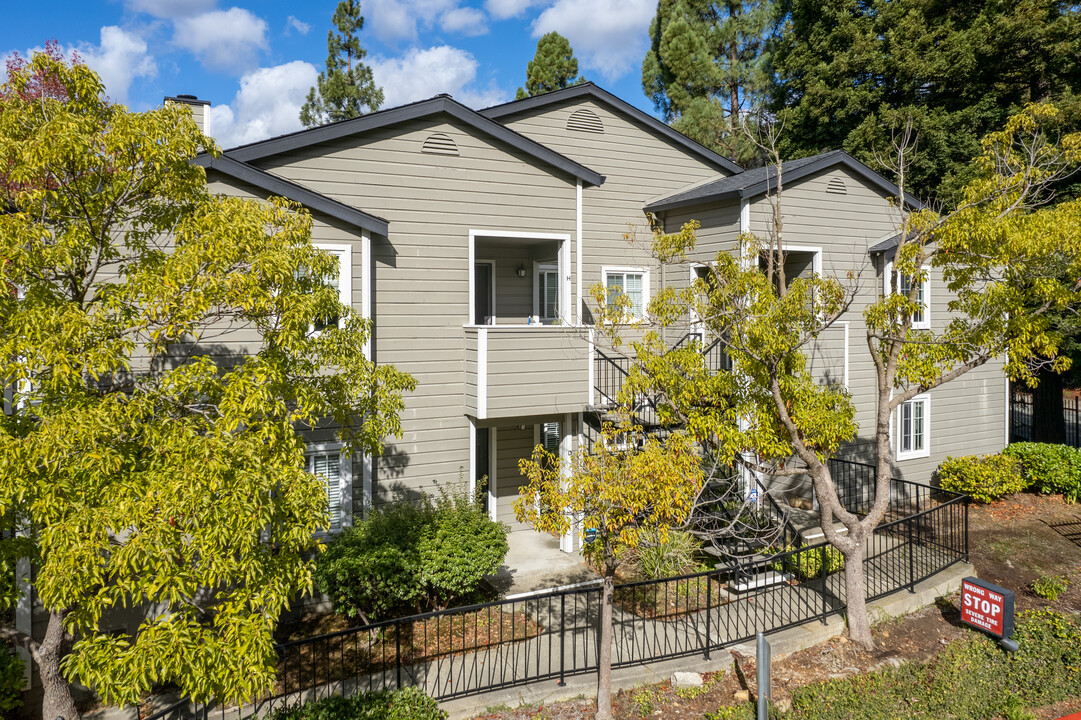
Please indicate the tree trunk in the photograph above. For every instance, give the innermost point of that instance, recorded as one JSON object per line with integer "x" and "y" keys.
{"x": 859, "y": 623}
{"x": 604, "y": 650}
{"x": 57, "y": 701}
{"x": 1048, "y": 425}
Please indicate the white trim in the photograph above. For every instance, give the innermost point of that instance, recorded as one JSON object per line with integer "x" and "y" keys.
{"x": 845, "y": 323}
{"x": 472, "y": 289}
{"x": 492, "y": 471}
{"x": 1007, "y": 396}
{"x": 888, "y": 273}
{"x": 566, "y": 451}
{"x": 366, "y": 287}
{"x": 576, "y": 315}
{"x": 345, "y": 477}
{"x": 538, "y": 310}
{"x": 563, "y": 270}
{"x": 925, "y": 451}
{"x": 521, "y": 234}
{"x": 344, "y": 251}
{"x": 592, "y": 379}
{"x": 746, "y": 259}
{"x": 624, "y": 270}
{"x": 472, "y": 458}
{"x": 366, "y": 484}
{"x": 697, "y": 326}
{"x": 482, "y": 372}
{"x": 475, "y": 233}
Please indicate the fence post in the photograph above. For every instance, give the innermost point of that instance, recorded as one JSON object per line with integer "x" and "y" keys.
{"x": 825, "y": 605}
{"x": 709, "y": 611}
{"x": 966, "y": 527}
{"x": 398, "y": 652}
{"x": 562, "y": 635}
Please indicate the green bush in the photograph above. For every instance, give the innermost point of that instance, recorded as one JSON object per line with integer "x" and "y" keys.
{"x": 412, "y": 557}
{"x": 983, "y": 478}
{"x": 971, "y": 678}
{"x": 406, "y": 704}
{"x": 11, "y": 680}
{"x": 1049, "y": 587}
{"x": 1050, "y": 468}
{"x": 810, "y": 564}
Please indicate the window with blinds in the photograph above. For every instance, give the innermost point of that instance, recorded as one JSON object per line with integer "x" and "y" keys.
{"x": 630, "y": 284}
{"x": 328, "y": 467}
{"x": 548, "y": 292}
{"x": 551, "y": 437}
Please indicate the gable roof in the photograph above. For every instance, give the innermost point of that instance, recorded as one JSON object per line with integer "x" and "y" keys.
{"x": 404, "y": 113}
{"x": 602, "y": 96}
{"x": 278, "y": 186}
{"x": 760, "y": 180}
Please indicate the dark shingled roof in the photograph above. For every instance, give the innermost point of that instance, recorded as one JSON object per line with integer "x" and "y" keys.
{"x": 602, "y": 96}
{"x": 404, "y": 113}
{"x": 760, "y": 180}
{"x": 308, "y": 198}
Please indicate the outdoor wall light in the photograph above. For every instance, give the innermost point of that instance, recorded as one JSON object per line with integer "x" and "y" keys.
{"x": 521, "y": 270}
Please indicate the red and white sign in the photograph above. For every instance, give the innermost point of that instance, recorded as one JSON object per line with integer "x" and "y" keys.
{"x": 987, "y": 607}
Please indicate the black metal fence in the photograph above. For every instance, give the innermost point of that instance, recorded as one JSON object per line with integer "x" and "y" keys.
{"x": 1021, "y": 414}
{"x": 553, "y": 635}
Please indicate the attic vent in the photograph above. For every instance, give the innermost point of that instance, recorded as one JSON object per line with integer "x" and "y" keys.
{"x": 440, "y": 144}
{"x": 836, "y": 185}
{"x": 585, "y": 121}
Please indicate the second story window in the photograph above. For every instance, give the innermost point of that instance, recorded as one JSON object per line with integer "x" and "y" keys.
{"x": 921, "y": 319}
{"x": 632, "y": 283}
{"x": 548, "y": 292}
{"x": 342, "y": 282}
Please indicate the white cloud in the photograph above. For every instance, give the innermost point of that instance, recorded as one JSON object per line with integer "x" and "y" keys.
{"x": 119, "y": 59}
{"x": 464, "y": 21}
{"x": 298, "y": 25}
{"x": 504, "y": 9}
{"x": 267, "y": 104}
{"x": 228, "y": 40}
{"x": 421, "y": 74}
{"x": 171, "y": 8}
{"x": 607, "y": 35}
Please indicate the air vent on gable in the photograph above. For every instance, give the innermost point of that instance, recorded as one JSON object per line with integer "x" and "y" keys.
{"x": 836, "y": 185}
{"x": 585, "y": 121}
{"x": 440, "y": 144}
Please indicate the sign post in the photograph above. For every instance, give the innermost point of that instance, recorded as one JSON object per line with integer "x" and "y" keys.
{"x": 988, "y": 607}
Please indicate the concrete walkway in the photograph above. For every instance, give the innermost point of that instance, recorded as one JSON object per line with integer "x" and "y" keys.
{"x": 535, "y": 562}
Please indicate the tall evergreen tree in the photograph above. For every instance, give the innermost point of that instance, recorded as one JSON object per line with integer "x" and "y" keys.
{"x": 850, "y": 70}
{"x": 346, "y": 88}
{"x": 554, "y": 67}
{"x": 709, "y": 62}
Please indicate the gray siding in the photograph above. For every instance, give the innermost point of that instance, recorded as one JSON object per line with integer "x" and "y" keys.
{"x": 718, "y": 231}
{"x": 512, "y": 444}
{"x": 421, "y": 274}
{"x": 536, "y": 370}
{"x": 638, "y": 165}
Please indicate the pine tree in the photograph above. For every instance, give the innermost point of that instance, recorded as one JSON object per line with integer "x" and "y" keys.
{"x": 554, "y": 67}
{"x": 709, "y": 64}
{"x": 346, "y": 88}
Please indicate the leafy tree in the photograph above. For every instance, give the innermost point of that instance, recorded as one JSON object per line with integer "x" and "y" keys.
{"x": 629, "y": 488}
{"x": 554, "y": 67}
{"x": 1003, "y": 258}
{"x": 143, "y": 463}
{"x": 346, "y": 88}
{"x": 849, "y": 70}
{"x": 708, "y": 63}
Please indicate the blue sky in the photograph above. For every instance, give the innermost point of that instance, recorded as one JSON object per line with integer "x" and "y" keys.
{"x": 254, "y": 60}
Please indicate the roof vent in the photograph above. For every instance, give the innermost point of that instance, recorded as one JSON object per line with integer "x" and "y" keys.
{"x": 440, "y": 144}
{"x": 585, "y": 121}
{"x": 837, "y": 186}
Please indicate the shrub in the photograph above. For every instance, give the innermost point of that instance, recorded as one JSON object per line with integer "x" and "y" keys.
{"x": 673, "y": 555}
{"x": 406, "y": 704}
{"x": 409, "y": 557}
{"x": 1050, "y": 468}
{"x": 984, "y": 478}
{"x": 1049, "y": 587}
{"x": 11, "y": 680}
{"x": 810, "y": 564}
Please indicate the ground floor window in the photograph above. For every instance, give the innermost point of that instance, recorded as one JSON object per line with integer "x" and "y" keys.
{"x": 333, "y": 468}
{"x": 913, "y": 419}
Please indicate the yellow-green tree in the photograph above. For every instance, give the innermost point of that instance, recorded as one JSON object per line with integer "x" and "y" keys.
{"x": 1010, "y": 264}
{"x": 144, "y": 462}
{"x": 629, "y": 488}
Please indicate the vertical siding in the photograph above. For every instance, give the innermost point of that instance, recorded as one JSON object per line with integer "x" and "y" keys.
{"x": 421, "y": 274}
{"x": 638, "y": 165}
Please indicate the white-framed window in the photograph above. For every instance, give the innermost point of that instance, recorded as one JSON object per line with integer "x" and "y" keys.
{"x": 343, "y": 282}
{"x": 921, "y": 319}
{"x": 630, "y": 282}
{"x": 551, "y": 436}
{"x": 334, "y": 468}
{"x": 913, "y": 428}
{"x": 547, "y": 301}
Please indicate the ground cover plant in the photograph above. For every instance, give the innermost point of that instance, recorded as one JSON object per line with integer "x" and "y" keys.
{"x": 406, "y": 704}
